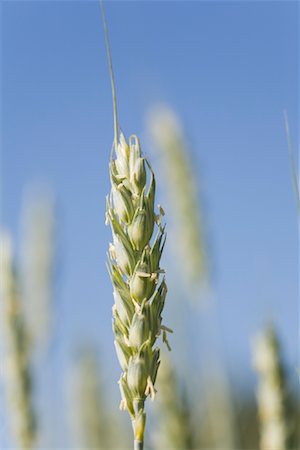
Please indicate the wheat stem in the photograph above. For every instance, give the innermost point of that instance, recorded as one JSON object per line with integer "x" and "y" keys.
{"x": 138, "y": 445}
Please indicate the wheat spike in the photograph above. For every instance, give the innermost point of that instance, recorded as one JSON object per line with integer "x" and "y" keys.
{"x": 134, "y": 267}
{"x": 18, "y": 380}
{"x": 271, "y": 395}
{"x": 37, "y": 261}
{"x": 168, "y": 137}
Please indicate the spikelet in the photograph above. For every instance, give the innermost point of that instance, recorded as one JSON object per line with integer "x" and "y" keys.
{"x": 168, "y": 137}
{"x": 17, "y": 373}
{"x": 271, "y": 395}
{"x": 134, "y": 267}
{"x": 174, "y": 411}
{"x": 37, "y": 257}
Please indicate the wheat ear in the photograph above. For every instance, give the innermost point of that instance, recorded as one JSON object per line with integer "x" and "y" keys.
{"x": 168, "y": 136}
{"x": 134, "y": 267}
{"x": 271, "y": 394}
{"x": 17, "y": 369}
{"x": 37, "y": 263}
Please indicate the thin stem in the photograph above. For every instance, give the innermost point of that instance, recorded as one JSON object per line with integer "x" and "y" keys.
{"x": 112, "y": 78}
{"x": 138, "y": 445}
{"x": 292, "y": 162}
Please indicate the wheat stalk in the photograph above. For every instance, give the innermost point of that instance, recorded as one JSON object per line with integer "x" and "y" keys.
{"x": 17, "y": 368}
{"x": 37, "y": 258}
{"x": 175, "y": 426}
{"x": 271, "y": 394}
{"x": 91, "y": 426}
{"x": 169, "y": 138}
{"x": 134, "y": 267}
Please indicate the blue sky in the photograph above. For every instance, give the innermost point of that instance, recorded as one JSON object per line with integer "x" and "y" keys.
{"x": 228, "y": 69}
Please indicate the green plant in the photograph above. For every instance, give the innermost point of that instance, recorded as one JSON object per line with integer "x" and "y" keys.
{"x": 271, "y": 392}
{"x": 174, "y": 412}
{"x": 18, "y": 375}
{"x": 291, "y": 158}
{"x": 93, "y": 428}
{"x": 134, "y": 267}
{"x": 37, "y": 262}
{"x": 168, "y": 137}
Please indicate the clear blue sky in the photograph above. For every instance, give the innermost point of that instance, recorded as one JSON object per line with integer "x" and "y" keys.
{"x": 228, "y": 69}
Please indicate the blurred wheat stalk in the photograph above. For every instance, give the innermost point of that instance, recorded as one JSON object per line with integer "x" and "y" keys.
{"x": 167, "y": 134}
{"x": 93, "y": 426}
{"x": 17, "y": 370}
{"x": 37, "y": 261}
{"x": 271, "y": 392}
{"x": 175, "y": 425}
{"x": 291, "y": 158}
{"x": 25, "y": 307}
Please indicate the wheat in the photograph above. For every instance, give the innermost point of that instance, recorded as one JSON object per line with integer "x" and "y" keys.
{"x": 37, "y": 258}
{"x": 176, "y": 429}
{"x": 17, "y": 367}
{"x": 271, "y": 395}
{"x": 168, "y": 137}
{"x": 91, "y": 425}
{"x": 134, "y": 267}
